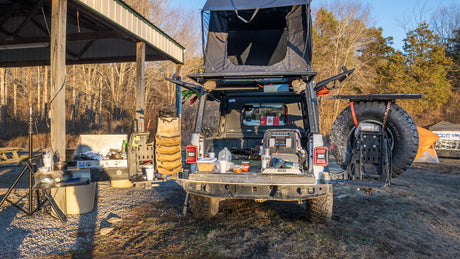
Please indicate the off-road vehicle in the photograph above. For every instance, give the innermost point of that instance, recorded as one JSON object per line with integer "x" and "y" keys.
{"x": 257, "y": 66}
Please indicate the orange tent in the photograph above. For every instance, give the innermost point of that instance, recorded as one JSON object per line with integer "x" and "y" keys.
{"x": 426, "y": 151}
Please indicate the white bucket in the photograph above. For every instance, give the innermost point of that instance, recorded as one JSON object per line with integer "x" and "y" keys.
{"x": 223, "y": 166}
{"x": 149, "y": 172}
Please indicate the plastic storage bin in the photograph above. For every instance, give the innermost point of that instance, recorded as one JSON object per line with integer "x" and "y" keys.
{"x": 206, "y": 164}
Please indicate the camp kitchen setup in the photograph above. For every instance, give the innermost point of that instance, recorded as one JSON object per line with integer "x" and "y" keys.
{"x": 66, "y": 179}
{"x": 133, "y": 160}
{"x": 126, "y": 160}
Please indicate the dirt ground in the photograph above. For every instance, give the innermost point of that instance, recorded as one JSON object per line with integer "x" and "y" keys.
{"x": 417, "y": 217}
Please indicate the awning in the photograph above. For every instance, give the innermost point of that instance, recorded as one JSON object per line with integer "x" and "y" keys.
{"x": 98, "y": 31}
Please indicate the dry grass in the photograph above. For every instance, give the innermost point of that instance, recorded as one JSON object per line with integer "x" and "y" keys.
{"x": 39, "y": 141}
{"x": 449, "y": 112}
{"x": 452, "y": 108}
{"x": 243, "y": 229}
{"x": 418, "y": 217}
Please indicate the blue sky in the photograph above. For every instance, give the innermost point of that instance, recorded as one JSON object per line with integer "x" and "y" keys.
{"x": 387, "y": 14}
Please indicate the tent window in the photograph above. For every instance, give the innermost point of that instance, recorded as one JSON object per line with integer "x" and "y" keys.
{"x": 262, "y": 42}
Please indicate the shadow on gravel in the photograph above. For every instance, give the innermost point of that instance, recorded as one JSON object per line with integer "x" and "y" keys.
{"x": 171, "y": 191}
{"x": 10, "y": 237}
{"x": 9, "y": 173}
{"x": 86, "y": 232}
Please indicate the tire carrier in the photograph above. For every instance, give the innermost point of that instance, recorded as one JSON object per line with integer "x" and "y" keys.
{"x": 370, "y": 162}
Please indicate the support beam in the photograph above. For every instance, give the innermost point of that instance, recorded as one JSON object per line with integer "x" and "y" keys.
{"x": 140, "y": 85}
{"x": 86, "y": 36}
{"x": 57, "y": 60}
{"x": 28, "y": 18}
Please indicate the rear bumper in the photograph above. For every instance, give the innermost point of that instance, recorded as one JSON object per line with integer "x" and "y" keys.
{"x": 255, "y": 186}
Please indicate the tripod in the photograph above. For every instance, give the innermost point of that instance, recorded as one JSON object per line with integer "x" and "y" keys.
{"x": 31, "y": 168}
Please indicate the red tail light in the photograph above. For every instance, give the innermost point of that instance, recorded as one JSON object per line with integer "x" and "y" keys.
{"x": 191, "y": 154}
{"x": 321, "y": 156}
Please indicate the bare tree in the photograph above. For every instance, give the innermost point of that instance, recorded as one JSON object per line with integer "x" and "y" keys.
{"x": 445, "y": 22}
{"x": 3, "y": 98}
{"x": 39, "y": 90}
{"x": 30, "y": 89}
{"x": 15, "y": 91}
{"x": 340, "y": 31}
{"x": 106, "y": 91}
{"x": 443, "y": 19}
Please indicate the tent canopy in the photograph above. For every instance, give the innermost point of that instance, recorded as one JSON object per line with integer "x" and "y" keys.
{"x": 256, "y": 36}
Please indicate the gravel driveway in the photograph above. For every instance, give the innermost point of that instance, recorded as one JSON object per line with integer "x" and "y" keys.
{"x": 23, "y": 236}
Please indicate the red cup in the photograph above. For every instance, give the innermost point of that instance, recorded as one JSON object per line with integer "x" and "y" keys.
{"x": 245, "y": 165}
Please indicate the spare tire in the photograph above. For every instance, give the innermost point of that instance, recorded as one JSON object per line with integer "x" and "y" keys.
{"x": 400, "y": 128}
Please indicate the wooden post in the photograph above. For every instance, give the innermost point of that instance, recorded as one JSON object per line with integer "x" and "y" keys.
{"x": 45, "y": 92}
{"x": 140, "y": 85}
{"x": 178, "y": 67}
{"x": 57, "y": 60}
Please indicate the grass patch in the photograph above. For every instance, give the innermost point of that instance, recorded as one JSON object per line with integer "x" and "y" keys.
{"x": 77, "y": 252}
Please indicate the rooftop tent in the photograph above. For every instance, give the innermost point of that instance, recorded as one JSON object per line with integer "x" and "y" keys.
{"x": 256, "y": 36}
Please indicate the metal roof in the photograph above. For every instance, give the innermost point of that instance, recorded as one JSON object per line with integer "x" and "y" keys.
{"x": 445, "y": 126}
{"x": 98, "y": 31}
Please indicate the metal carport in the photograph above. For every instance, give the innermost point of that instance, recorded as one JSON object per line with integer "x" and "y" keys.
{"x": 63, "y": 32}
